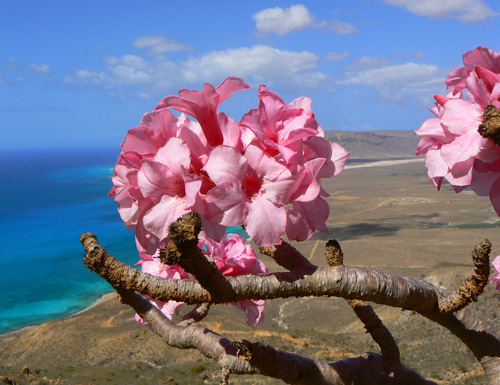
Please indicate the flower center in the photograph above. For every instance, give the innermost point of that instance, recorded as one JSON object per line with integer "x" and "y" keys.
{"x": 252, "y": 184}
{"x": 490, "y": 128}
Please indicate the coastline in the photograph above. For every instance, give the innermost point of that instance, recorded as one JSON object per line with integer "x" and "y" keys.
{"x": 101, "y": 299}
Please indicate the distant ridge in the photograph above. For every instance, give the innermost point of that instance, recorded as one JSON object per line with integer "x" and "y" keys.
{"x": 376, "y": 144}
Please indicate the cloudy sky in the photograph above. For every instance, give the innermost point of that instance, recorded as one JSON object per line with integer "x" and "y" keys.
{"x": 84, "y": 72}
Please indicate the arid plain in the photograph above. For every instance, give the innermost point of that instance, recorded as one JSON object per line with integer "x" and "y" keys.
{"x": 386, "y": 216}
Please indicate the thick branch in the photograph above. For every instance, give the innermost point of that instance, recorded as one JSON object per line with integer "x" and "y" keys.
{"x": 346, "y": 282}
{"x": 291, "y": 368}
{"x": 183, "y": 250}
{"x": 377, "y": 330}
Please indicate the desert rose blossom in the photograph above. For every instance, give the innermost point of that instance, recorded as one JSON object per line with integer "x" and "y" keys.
{"x": 291, "y": 134}
{"x": 235, "y": 257}
{"x": 155, "y": 267}
{"x": 496, "y": 279}
{"x": 481, "y": 57}
{"x": 279, "y": 127}
{"x": 203, "y": 105}
{"x": 280, "y": 146}
{"x": 250, "y": 189}
{"x": 461, "y": 144}
{"x": 153, "y": 187}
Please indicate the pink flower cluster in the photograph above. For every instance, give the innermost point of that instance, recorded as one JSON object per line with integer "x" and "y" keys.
{"x": 462, "y": 143}
{"x": 263, "y": 173}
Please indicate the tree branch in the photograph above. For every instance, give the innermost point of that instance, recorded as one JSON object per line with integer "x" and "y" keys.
{"x": 373, "y": 324}
{"x": 346, "y": 282}
{"x": 248, "y": 358}
{"x": 288, "y": 257}
{"x": 183, "y": 250}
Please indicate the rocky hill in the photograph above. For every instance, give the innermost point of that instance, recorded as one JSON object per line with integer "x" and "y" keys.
{"x": 376, "y": 144}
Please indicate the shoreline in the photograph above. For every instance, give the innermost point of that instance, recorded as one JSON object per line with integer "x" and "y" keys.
{"x": 101, "y": 299}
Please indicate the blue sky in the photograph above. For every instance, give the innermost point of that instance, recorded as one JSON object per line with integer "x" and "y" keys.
{"x": 84, "y": 72}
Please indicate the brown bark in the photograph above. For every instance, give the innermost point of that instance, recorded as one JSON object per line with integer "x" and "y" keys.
{"x": 246, "y": 357}
{"x": 306, "y": 279}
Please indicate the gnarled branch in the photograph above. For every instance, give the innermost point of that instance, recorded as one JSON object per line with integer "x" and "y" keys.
{"x": 341, "y": 281}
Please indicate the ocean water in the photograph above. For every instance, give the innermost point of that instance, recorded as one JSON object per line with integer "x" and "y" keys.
{"x": 48, "y": 198}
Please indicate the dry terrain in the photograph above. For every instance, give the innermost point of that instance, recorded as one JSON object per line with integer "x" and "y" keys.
{"x": 386, "y": 217}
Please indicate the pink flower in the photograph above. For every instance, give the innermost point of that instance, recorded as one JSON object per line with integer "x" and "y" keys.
{"x": 234, "y": 257}
{"x": 155, "y": 267}
{"x": 251, "y": 189}
{"x": 166, "y": 180}
{"x": 291, "y": 134}
{"x": 279, "y": 127}
{"x": 482, "y": 57}
{"x": 203, "y": 105}
{"x": 457, "y": 145}
{"x": 496, "y": 279}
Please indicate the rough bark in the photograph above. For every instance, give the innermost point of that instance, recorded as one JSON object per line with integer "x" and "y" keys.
{"x": 303, "y": 279}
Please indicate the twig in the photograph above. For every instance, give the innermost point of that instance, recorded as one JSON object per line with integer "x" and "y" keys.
{"x": 197, "y": 314}
{"x": 373, "y": 324}
{"x": 473, "y": 286}
{"x": 288, "y": 257}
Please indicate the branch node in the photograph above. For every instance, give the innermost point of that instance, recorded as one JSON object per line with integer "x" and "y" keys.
{"x": 333, "y": 253}
{"x": 472, "y": 287}
{"x": 225, "y": 375}
{"x": 183, "y": 250}
{"x": 244, "y": 349}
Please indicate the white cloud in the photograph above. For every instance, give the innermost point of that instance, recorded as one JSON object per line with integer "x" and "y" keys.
{"x": 467, "y": 10}
{"x": 414, "y": 55}
{"x": 13, "y": 72}
{"x": 396, "y": 82}
{"x": 283, "y": 21}
{"x": 129, "y": 71}
{"x": 335, "y": 56}
{"x": 158, "y": 45}
{"x": 337, "y": 26}
{"x": 312, "y": 81}
{"x": 38, "y": 68}
{"x": 391, "y": 74}
{"x": 144, "y": 78}
{"x": 13, "y": 65}
{"x": 260, "y": 62}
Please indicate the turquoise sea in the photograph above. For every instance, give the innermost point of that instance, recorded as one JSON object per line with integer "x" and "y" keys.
{"x": 48, "y": 198}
